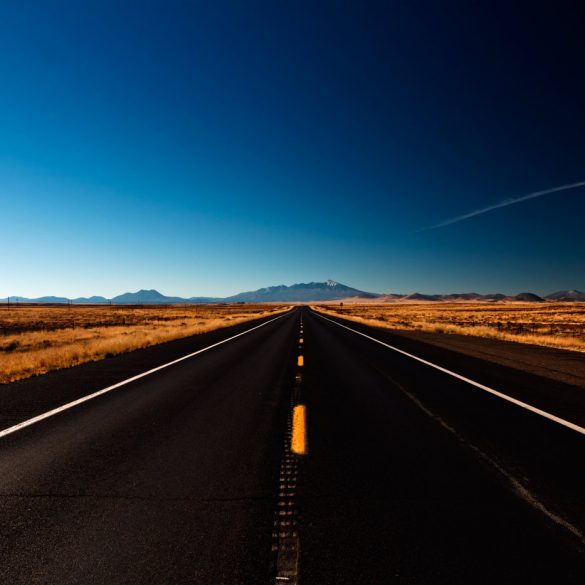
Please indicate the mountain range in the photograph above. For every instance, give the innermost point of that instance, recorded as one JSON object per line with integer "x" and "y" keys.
{"x": 301, "y": 293}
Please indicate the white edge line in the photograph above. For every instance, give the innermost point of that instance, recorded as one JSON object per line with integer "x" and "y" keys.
{"x": 49, "y": 413}
{"x": 519, "y": 403}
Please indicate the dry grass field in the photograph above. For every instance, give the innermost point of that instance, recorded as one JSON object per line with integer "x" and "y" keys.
{"x": 560, "y": 325}
{"x": 35, "y": 339}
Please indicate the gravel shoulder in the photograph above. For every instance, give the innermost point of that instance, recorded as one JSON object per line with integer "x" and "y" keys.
{"x": 559, "y": 365}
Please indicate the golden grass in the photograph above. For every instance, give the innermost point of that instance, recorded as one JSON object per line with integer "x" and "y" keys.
{"x": 38, "y": 339}
{"x": 560, "y": 325}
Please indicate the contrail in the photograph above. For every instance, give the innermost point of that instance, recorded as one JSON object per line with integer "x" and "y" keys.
{"x": 504, "y": 203}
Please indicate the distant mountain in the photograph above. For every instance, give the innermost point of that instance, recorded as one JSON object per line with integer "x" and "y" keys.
{"x": 420, "y": 297}
{"x": 390, "y": 297}
{"x": 527, "y": 297}
{"x": 495, "y": 297}
{"x": 301, "y": 293}
{"x": 58, "y": 300}
{"x": 203, "y": 300}
{"x": 463, "y": 297}
{"x": 91, "y": 300}
{"x": 147, "y": 297}
{"x": 51, "y": 300}
{"x": 566, "y": 295}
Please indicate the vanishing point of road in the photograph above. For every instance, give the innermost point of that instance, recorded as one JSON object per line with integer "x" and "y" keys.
{"x": 296, "y": 449}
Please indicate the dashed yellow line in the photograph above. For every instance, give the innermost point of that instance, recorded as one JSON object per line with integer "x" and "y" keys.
{"x": 299, "y": 431}
{"x": 300, "y": 361}
{"x": 301, "y": 340}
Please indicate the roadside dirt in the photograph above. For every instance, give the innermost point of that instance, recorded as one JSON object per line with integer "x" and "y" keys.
{"x": 556, "y": 364}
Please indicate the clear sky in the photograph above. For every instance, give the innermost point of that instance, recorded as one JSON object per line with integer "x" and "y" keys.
{"x": 205, "y": 148}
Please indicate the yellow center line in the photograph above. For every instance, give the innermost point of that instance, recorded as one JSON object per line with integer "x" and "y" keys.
{"x": 299, "y": 431}
{"x": 300, "y": 361}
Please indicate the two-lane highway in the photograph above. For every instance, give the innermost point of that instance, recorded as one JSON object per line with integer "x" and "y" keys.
{"x": 403, "y": 473}
{"x": 169, "y": 479}
{"x": 411, "y": 475}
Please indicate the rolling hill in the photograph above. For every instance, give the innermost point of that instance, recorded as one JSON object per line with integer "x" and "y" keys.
{"x": 302, "y": 293}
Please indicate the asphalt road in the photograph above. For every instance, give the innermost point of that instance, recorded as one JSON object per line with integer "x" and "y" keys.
{"x": 185, "y": 476}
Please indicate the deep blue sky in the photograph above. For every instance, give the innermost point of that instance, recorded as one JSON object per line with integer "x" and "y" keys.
{"x": 212, "y": 147}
